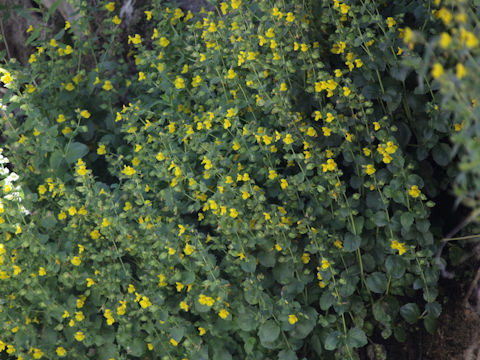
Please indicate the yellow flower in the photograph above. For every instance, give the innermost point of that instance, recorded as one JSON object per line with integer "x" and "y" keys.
{"x": 179, "y": 82}
{"x": 188, "y": 250}
{"x": 116, "y": 20}
{"x": 95, "y": 234}
{"x": 223, "y": 314}
{"x": 42, "y": 271}
{"x": 331, "y": 165}
{"x": 231, "y": 74}
{"x": 338, "y": 244}
{"x": 145, "y": 302}
{"x": 306, "y": 258}
{"x": 184, "y": 306}
{"x": 288, "y": 139}
{"x": 223, "y": 8}
{"x": 61, "y": 351}
{"x": 201, "y": 331}
{"x": 90, "y": 282}
{"x": 290, "y": 17}
{"x": 461, "y": 71}
{"x": 437, "y": 70}
{"x": 101, "y": 150}
{"x": 79, "y": 336}
{"x": 69, "y": 87}
{"x": 292, "y": 318}
{"x": 233, "y": 213}
{"x": 370, "y": 169}
{"x": 85, "y": 114}
{"x": 391, "y": 22}
{"x": 270, "y": 33}
{"x": 79, "y": 316}
{"x": 206, "y": 300}
{"x": 110, "y": 6}
{"x": 236, "y": 4}
{"x": 196, "y": 81}
{"x": 398, "y": 246}
{"x": 148, "y": 14}
{"x": 53, "y": 43}
{"x": 105, "y": 222}
{"x": 272, "y": 174}
{"x": 37, "y": 353}
{"x": 326, "y": 131}
{"x": 445, "y": 40}
{"x": 376, "y": 126}
{"x": 164, "y": 42}
{"x": 6, "y": 78}
{"x": 458, "y": 126}
{"x": 76, "y": 261}
{"x": 283, "y": 87}
{"x": 414, "y": 191}
{"x": 127, "y": 170}
{"x": 325, "y": 264}
{"x": 174, "y": 342}
{"x": 107, "y": 86}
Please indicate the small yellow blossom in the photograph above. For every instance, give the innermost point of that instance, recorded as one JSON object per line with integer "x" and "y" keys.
{"x": 110, "y": 6}
{"x": 414, "y": 191}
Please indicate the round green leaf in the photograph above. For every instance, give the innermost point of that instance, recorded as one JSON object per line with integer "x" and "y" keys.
{"x": 268, "y": 331}
{"x": 410, "y": 312}
{"x": 356, "y": 338}
{"x": 351, "y": 242}
{"x": 377, "y": 282}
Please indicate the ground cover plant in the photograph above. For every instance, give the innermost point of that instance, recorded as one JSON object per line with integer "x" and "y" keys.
{"x": 250, "y": 182}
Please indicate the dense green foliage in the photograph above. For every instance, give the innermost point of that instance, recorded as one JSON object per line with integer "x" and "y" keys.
{"x": 247, "y": 183}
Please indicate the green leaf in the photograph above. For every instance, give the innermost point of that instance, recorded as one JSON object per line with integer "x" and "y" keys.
{"x": 249, "y": 264}
{"x": 400, "y": 334}
{"x": 48, "y": 221}
{"x": 287, "y": 355}
{"x": 249, "y": 345}
{"x": 246, "y": 321}
{"x": 395, "y": 266}
{"x": 326, "y": 300}
{"x": 380, "y": 314}
{"x": 55, "y": 159}
{"x": 333, "y": 340}
{"x": 357, "y": 227}
{"x": 268, "y": 331}
{"x": 351, "y": 242}
{"x": 442, "y": 154}
{"x": 356, "y": 338}
{"x": 380, "y": 218}
{"x": 434, "y": 309}
{"x": 52, "y": 9}
{"x": 430, "y": 323}
{"x": 107, "y": 351}
{"x": 377, "y": 282}
{"x": 74, "y": 151}
{"x": 410, "y": 312}
{"x": 406, "y": 220}
{"x": 136, "y": 347}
